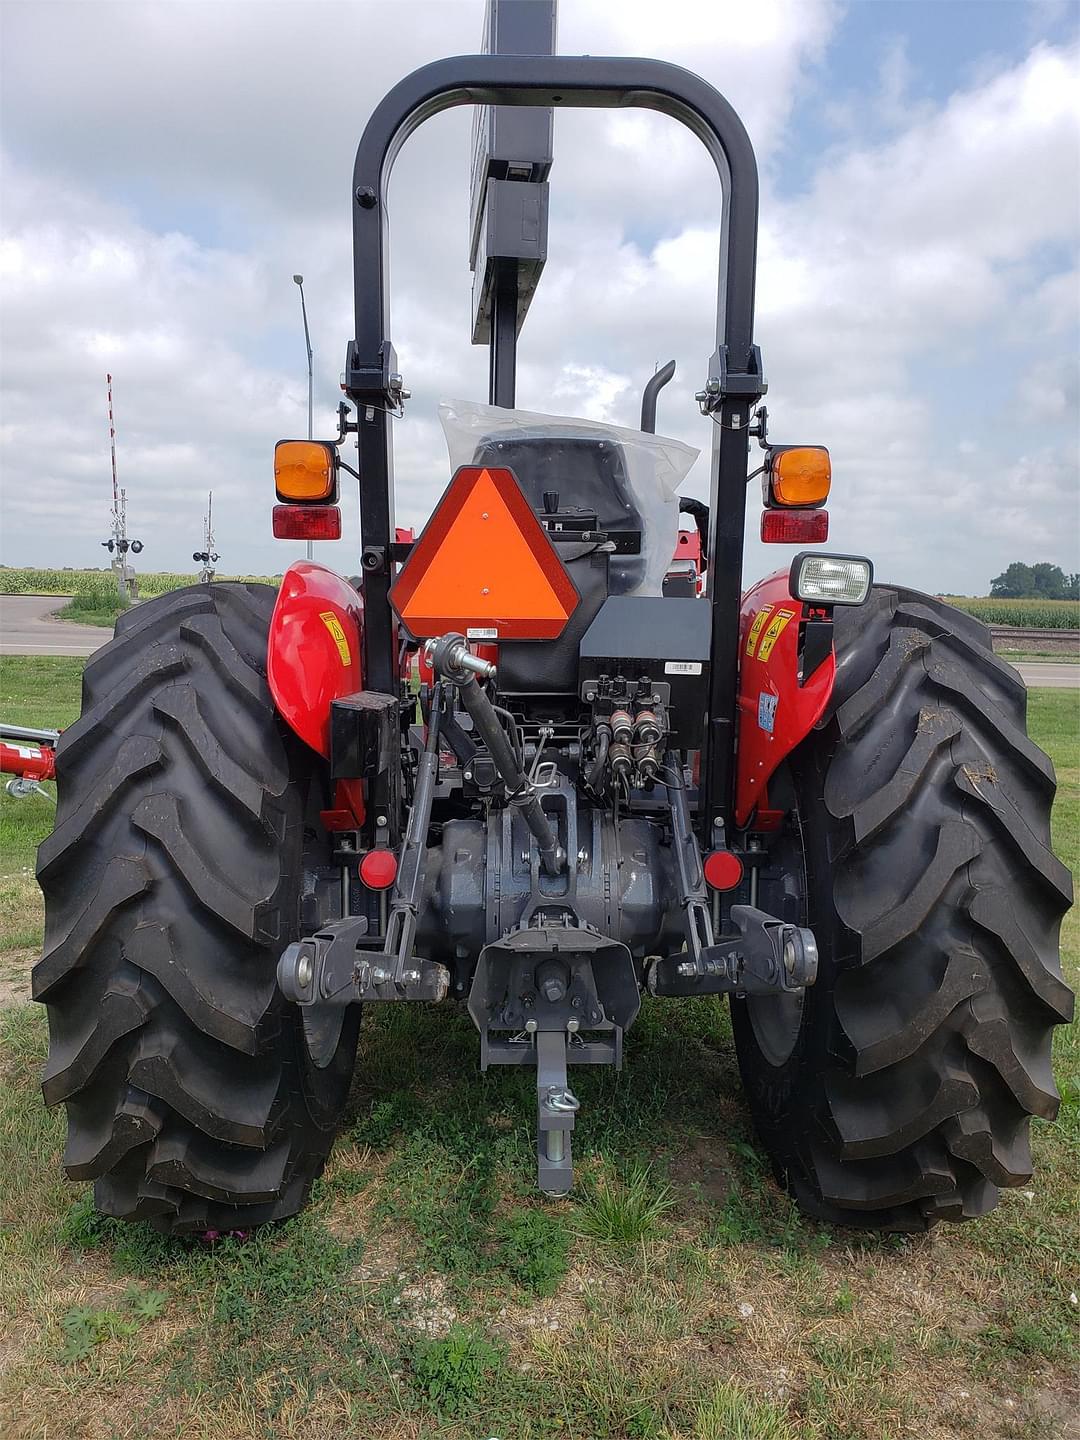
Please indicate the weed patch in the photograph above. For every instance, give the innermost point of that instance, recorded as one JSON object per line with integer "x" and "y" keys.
{"x": 623, "y": 1212}
{"x": 452, "y": 1374}
{"x": 85, "y": 1327}
{"x": 532, "y": 1246}
{"x": 731, "y": 1412}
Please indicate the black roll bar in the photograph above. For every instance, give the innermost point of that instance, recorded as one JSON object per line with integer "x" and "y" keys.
{"x": 735, "y": 382}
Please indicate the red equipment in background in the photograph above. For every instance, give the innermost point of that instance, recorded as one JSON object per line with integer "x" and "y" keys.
{"x": 28, "y": 754}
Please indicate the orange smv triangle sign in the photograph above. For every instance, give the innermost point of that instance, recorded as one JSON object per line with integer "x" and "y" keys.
{"x": 484, "y": 563}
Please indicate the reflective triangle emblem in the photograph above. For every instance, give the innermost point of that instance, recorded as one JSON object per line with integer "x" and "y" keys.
{"x": 484, "y": 566}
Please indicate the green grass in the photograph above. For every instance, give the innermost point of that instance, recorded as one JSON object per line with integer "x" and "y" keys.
{"x": 40, "y": 690}
{"x": 87, "y": 610}
{"x": 428, "y": 1292}
{"x": 623, "y": 1212}
{"x": 732, "y": 1412}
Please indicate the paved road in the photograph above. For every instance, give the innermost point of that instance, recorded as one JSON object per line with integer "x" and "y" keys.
{"x": 1039, "y": 673}
{"x": 27, "y": 628}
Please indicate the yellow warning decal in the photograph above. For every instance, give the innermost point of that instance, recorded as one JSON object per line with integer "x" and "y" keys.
{"x": 773, "y": 633}
{"x": 337, "y": 634}
{"x": 755, "y": 628}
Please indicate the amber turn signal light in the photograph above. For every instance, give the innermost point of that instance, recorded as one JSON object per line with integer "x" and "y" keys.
{"x": 798, "y": 475}
{"x": 305, "y": 470}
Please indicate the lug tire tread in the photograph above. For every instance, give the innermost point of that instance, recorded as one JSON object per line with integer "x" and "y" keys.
{"x": 937, "y": 901}
{"x": 171, "y": 885}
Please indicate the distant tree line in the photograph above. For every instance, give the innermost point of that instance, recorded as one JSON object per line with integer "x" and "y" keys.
{"x": 1035, "y": 582}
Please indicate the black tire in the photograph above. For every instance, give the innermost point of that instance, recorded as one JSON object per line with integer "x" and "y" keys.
{"x": 900, "y": 1091}
{"x": 172, "y": 883}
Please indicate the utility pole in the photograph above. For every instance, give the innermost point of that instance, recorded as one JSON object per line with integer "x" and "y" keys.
{"x": 299, "y": 280}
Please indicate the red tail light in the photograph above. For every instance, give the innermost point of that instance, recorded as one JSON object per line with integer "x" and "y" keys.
{"x": 307, "y": 522}
{"x": 794, "y": 527}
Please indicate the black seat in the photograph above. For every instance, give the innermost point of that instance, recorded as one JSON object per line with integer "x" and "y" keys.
{"x": 587, "y": 473}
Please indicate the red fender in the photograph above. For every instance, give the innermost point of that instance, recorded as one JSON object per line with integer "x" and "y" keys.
{"x": 775, "y": 711}
{"x": 313, "y": 652}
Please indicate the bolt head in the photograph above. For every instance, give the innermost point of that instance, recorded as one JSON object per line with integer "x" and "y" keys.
{"x": 573, "y": 1026}
{"x": 380, "y": 819}
{"x": 531, "y": 1027}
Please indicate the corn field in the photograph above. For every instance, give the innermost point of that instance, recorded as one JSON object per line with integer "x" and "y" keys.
{"x": 1027, "y": 614}
{"x": 97, "y": 588}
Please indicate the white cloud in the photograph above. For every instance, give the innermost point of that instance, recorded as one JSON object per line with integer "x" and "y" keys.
{"x": 176, "y": 163}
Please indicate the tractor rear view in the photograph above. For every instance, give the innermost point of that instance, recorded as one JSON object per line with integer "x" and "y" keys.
{"x": 543, "y": 760}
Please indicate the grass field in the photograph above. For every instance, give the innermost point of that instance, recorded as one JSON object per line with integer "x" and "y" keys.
{"x": 428, "y": 1293}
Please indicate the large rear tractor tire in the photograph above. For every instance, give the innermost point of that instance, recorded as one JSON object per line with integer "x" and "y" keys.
{"x": 172, "y": 883}
{"x": 899, "y": 1091}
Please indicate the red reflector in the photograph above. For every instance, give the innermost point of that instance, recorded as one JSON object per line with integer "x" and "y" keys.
{"x": 723, "y": 870}
{"x": 484, "y": 565}
{"x": 794, "y": 527}
{"x": 378, "y": 869}
{"x": 307, "y": 522}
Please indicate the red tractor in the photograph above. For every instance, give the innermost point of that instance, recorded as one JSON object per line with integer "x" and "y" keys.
{"x": 521, "y": 763}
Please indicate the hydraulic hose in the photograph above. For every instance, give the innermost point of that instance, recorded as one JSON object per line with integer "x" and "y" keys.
{"x": 595, "y": 772}
{"x": 450, "y": 656}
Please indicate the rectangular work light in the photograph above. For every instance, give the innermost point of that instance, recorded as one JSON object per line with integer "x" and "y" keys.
{"x": 830, "y": 579}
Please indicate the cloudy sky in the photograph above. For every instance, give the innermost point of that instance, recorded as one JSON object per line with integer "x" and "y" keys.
{"x": 167, "y": 167}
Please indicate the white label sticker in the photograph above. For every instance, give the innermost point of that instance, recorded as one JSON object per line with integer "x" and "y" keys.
{"x": 478, "y": 634}
{"x": 682, "y": 667}
{"x": 766, "y": 711}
